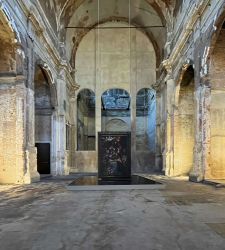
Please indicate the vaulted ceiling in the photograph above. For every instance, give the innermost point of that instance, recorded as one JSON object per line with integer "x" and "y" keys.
{"x": 60, "y": 11}
{"x": 84, "y": 13}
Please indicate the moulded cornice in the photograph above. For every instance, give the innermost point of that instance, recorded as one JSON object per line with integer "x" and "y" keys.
{"x": 187, "y": 31}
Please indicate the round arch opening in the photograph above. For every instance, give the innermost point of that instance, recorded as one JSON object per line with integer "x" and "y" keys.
{"x": 145, "y": 130}
{"x": 115, "y": 107}
{"x": 86, "y": 120}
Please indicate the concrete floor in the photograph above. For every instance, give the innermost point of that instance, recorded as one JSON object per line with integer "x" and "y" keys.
{"x": 46, "y": 216}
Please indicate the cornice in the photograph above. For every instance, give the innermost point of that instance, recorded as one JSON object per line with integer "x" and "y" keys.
{"x": 39, "y": 28}
{"x": 185, "y": 34}
{"x": 72, "y": 86}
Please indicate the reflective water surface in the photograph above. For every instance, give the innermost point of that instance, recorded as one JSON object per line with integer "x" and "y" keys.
{"x": 93, "y": 180}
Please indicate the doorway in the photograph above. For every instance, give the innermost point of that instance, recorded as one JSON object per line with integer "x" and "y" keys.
{"x": 43, "y": 158}
{"x": 44, "y": 108}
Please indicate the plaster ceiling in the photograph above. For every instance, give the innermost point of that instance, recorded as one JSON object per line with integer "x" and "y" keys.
{"x": 84, "y": 13}
{"x": 89, "y": 13}
{"x": 67, "y": 8}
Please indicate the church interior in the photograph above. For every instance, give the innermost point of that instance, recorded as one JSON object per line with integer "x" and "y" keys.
{"x": 117, "y": 92}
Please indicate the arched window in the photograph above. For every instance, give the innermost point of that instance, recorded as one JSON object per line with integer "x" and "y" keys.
{"x": 184, "y": 125}
{"x": 86, "y": 120}
{"x": 145, "y": 129}
{"x": 116, "y": 110}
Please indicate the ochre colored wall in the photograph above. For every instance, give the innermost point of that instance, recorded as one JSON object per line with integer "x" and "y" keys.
{"x": 184, "y": 132}
{"x": 216, "y": 168}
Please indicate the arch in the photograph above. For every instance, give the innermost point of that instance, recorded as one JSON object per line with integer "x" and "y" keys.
{"x": 186, "y": 74}
{"x": 145, "y": 129}
{"x": 8, "y": 47}
{"x": 122, "y": 20}
{"x": 215, "y": 168}
{"x": 158, "y": 6}
{"x": 45, "y": 99}
{"x": 117, "y": 67}
{"x": 116, "y": 110}
{"x": 12, "y": 106}
{"x": 184, "y": 120}
{"x": 46, "y": 71}
{"x": 5, "y": 14}
{"x": 212, "y": 38}
{"x": 86, "y": 120}
{"x": 82, "y": 90}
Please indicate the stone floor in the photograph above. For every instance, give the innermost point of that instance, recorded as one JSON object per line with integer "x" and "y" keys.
{"x": 46, "y": 216}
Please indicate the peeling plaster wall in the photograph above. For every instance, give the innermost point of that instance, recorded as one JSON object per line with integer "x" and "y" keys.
{"x": 51, "y": 10}
{"x": 184, "y": 132}
{"x": 25, "y": 23}
{"x": 12, "y": 103}
{"x": 11, "y": 135}
{"x": 190, "y": 42}
{"x": 216, "y": 168}
{"x": 7, "y": 49}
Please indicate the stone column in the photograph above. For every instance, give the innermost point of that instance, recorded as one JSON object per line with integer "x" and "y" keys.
{"x": 98, "y": 93}
{"x": 14, "y": 164}
{"x": 133, "y": 97}
{"x": 168, "y": 155}
{"x": 60, "y": 167}
{"x": 202, "y": 134}
{"x": 31, "y": 173}
{"x": 73, "y": 140}
{"x": 62, "y": 164}
{"x": 158, "y": 156}
{"x": 54, "y": 144}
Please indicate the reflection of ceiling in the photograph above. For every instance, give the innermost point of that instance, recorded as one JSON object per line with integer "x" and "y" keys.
{"x": 115, "y": 99}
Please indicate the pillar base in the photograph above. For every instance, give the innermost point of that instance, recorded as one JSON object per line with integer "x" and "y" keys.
{"x": 31, "y": 165}
{"x": 159, "y": 163}
{"x": 194, "y": 177}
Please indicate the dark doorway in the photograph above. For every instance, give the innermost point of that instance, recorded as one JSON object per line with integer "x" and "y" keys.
{"x": 43, "y": 158}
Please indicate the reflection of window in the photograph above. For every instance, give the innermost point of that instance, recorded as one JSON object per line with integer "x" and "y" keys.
{"x": 86, "y": 120}
{"x": 68, "y": 129}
